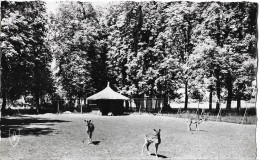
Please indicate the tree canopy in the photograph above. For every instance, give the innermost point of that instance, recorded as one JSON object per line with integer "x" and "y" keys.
{"x": 142, "y": 48}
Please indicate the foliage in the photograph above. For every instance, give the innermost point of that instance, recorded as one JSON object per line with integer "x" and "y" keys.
{"x": 147, "y": 48}
{"x": 79, "y": 48}
{"x": 225, "y": 47}
{"x": 26, "y": 55}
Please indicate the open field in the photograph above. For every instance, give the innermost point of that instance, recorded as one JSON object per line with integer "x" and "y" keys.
{"x": 205, "y": 105}
{"x": 229, "y": 119}
{"x": 51, "y": 136}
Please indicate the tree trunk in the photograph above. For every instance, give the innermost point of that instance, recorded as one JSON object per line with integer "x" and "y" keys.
{"x": 217, "y": 70}
{"x": 186, "y": 96}
{"x": 37, "y": 101}
{"x": 230, "y": 91}
{"x": 4, "y": 102}
{"x": 229, "y": 98}
{"x": 210, "y": 99}
{"x": 218, "y": 91}
{"x": 0, "y": 67}
{"x": 238, "y": 103}
{"x": 0, "y": 76}
{"x": 2, "y": 88}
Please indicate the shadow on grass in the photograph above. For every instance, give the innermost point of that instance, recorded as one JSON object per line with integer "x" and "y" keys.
{"x": 201, "y": 130}
{"x": 95, "y": 142}
{"x": 160, "y": 156}
{"x": 27, "y": 125}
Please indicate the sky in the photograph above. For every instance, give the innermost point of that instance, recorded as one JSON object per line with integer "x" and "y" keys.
{"x": 52, "y": 5}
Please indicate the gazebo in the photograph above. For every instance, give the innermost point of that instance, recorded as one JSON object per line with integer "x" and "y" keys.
{"x": 108, "y": 100}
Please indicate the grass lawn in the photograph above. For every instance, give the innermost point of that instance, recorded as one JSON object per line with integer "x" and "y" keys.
{"x": 51, "y": 136}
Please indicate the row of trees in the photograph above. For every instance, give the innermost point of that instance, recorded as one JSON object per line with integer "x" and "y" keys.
{"x": 142, "y": 48}
{"x": 165, "y": 46}
{"x": 25, "y": 52}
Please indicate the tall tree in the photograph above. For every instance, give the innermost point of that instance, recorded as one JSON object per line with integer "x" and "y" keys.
{"x": 221, "y": 37}
{"x": 181, "y": 21}
{"x": 124, "y": 26}
{"x": 79, "y": 44}
{"x": 137, "y": 47}
{"x": 241, "y": 44}
{"x": 25, "y": 53}
{"x": 42, "y": 76}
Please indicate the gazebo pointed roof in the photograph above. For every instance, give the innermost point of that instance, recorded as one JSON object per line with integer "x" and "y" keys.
{"x": 107, "y": 94}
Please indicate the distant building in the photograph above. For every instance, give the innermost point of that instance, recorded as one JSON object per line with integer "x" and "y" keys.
{"x": 107, "y": 101}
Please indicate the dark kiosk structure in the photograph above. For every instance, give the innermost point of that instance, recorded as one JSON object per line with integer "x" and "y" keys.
{"x": 107, "y": 101}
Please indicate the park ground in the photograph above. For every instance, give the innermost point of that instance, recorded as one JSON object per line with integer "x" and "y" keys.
{"x": 59, "y": 137}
